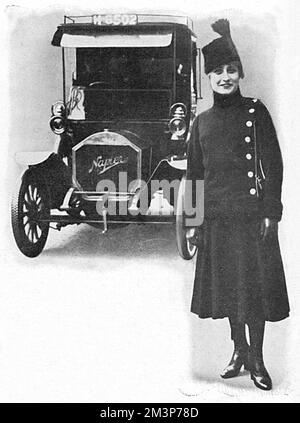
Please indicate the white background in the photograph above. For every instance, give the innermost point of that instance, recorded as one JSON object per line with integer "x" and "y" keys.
{"x": 107, "y": 319}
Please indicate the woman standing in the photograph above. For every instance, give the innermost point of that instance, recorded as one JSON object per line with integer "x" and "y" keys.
{"x": 239, "y": 272}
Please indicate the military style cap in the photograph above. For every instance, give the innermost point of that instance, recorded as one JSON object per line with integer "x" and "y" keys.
{"x": 221, "y": 50}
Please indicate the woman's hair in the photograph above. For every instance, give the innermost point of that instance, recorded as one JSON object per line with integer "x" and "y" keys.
{"x": 236, "y": 63}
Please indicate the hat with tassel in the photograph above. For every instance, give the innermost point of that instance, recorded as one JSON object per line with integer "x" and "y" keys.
{"x": 222, "y": 50}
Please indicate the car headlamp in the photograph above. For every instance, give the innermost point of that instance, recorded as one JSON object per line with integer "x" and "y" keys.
{"x": 178, "y": 109}
{"x": 58, "y": 108}
{"x": 177, "y": 124}
{"x": 177, "y": 127}
{"x": 57, "y": 125}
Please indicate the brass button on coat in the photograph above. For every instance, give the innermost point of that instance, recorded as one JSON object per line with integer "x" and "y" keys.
{"x": 248, "y": 156}
{"x": 251, "y": 110}
{"x": 249, "y": 123}
{"x": 247, "y": 139}
{"x": 250, "y": 174}
{"x": 252, "y": 191}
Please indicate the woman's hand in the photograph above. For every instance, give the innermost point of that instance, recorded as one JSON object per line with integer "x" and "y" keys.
{"x": 268, "y": 228}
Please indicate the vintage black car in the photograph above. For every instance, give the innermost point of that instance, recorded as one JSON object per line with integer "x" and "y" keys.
{"x": 130, "y": 90}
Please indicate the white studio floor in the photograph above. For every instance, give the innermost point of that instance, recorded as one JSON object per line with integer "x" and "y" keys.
{"x": 105, "y": 318}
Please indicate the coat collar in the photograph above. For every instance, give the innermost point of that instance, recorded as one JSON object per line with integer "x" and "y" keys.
{"x": 224, "y": 101}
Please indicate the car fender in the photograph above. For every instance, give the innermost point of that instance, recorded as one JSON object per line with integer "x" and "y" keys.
{"x": 30, "y": 158}
{"x": 56, "y": 174}
{"x": 178, "y": 162}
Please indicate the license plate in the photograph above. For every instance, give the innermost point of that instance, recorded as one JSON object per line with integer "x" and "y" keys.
{"x": 115, "y": 19}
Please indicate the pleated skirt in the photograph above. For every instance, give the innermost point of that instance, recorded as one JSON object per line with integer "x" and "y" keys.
{"x": 237, "y": 274}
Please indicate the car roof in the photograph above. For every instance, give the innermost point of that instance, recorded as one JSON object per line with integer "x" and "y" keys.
{"x": 79, "y": 25}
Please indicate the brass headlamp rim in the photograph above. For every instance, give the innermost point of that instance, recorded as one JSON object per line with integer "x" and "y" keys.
{"x": 57, "y": 131}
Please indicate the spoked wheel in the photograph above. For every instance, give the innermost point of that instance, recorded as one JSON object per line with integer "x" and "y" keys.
{"x": 185, "y": 248}
{"x": 30, "y": 204}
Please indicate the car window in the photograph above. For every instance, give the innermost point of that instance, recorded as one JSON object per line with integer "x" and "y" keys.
{"x": 119, "y": 68}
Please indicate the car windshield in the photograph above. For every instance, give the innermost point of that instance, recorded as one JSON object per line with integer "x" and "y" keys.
{"x": 125, "y": 68}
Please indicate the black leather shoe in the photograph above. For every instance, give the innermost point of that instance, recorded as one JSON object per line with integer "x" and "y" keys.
{"x": 259, "y": 374}
{"x": 238, "y": 359}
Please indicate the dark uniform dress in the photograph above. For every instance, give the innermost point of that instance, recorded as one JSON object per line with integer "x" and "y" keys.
{"x": 237, "y": 274}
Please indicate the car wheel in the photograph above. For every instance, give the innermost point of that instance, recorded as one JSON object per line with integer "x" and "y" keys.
{"x": 185, "y": 248}
{"x": 30, "y": 204}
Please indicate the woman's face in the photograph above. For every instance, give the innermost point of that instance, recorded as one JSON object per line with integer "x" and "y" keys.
{"x": 225, "y": 79}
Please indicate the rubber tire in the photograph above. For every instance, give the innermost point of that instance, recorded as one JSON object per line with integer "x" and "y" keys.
{"x": 27, "y": 247}
{"x": 185, "y": 248}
